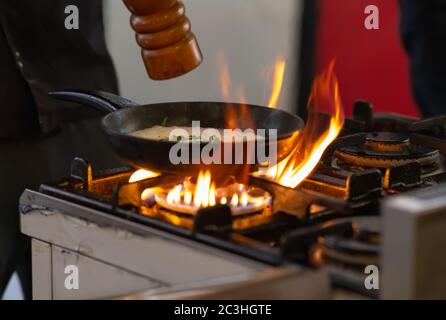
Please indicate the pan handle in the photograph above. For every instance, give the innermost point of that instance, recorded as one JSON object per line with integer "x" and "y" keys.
{"x": 101, "y": 101}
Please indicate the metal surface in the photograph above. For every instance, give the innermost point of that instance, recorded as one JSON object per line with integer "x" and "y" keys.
{"x": 41, "y": 266}
{"x": 413, "y": 261}
{"x": 119, "y": 258}
{"x": 342, "y": 219}
{"x": 139, "y": 250}
{"x": 96, "y": 279}
{"x": 278, "y": 283}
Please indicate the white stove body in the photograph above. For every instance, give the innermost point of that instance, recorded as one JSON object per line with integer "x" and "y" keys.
{"x": 413, "y": 255}
{"x": 80, "y": 253}
{"x": 116, "y": 258}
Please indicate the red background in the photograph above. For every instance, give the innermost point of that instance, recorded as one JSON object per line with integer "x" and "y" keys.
{"x": 370, "y": 64}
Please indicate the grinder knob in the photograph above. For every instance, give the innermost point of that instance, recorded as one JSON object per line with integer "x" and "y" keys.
{"x": 169, "y": 48}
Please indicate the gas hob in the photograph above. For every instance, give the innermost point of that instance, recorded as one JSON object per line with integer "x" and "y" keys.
{"x": 375, "y": 199}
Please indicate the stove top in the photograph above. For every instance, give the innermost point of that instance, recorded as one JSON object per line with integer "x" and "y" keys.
{"x": 331, "y": 220}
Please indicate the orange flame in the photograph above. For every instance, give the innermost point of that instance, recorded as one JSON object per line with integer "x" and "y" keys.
{"x": 235, "y": 117}
{"x": 242, "y": 118}
{"x": 143, "y": 175}
{"x": 317, "y": 135}
{"x": 204, "y": 194}
{"x": 225, "y": 76}
{"x": 279, "y": 74}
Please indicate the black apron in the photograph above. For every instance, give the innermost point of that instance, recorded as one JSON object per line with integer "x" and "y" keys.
{"x": 38, "y": 136}
{"x": 48, "y": 56}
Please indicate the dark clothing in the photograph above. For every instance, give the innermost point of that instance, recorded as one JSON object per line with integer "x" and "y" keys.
{"x": 48, "y": 57}
{"x": 29, "y": 163}
{"x": 38, "y": 136}
{"x": 423, "y": 27}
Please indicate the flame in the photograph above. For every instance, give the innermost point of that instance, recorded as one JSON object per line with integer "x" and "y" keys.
{"x": 142, "y": 175}
{"x": 317, "y": 134}
{"x": 148, "y": 194}
{"x": 236, "y": 117}
{"x": 203, "y": 190}
{"x": 204, "y": 194}
{"x": 232, "y": 91}
{"x": 279, "y": 74}
{"x": 228, "y": 86}
{"x": 225, "y": 76}
{"x": 188, "y": 197}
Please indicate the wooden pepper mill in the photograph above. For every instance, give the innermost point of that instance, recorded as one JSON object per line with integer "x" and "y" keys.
{"x": 169, "y": 48}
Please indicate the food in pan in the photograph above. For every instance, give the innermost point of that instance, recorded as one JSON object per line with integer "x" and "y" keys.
{"x": 172, "y": 133}
{"x": 194, "y": 134}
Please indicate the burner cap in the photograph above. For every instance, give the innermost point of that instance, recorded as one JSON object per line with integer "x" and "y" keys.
{"x": 387, "y": 141}
{"x": 361, "y": 249}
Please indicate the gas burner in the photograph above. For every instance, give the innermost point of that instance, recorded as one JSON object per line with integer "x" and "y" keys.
{"x": 332, "y": 220}
{"x": 240, "y": 221}
{"x": 240, "y": 198}
{"x": 387, "y": 142}
{"x": 386, "y": 149}
{"x": 194, "y": 194}
{"x": 359, "y": 249}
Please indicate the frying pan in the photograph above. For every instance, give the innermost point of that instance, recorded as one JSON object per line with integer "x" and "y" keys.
{"x": 125, "y": 116}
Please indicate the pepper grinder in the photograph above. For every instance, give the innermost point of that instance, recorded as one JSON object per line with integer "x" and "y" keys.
{"x": 169, "y": 48}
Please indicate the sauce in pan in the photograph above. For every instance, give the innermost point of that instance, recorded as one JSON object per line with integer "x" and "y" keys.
{"x": 162, "y": 133}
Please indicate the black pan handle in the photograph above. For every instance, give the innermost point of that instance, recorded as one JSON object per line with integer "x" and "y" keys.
{"x": 102, "y": 101}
